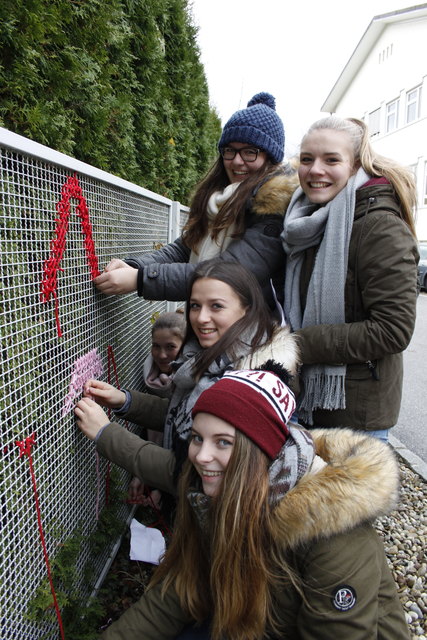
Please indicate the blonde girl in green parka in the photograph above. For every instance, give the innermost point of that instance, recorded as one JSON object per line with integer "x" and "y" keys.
{"x": 272, "y": 537}
{"x": 350, "y": 277}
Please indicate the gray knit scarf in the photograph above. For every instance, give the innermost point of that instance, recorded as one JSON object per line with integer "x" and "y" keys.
{"x": 291, "y": 464}
{"x": 178, "y": 421}
{"x": 308, "y": 225}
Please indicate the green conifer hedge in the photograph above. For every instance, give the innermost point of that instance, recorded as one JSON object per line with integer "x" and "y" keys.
{"x": 115, "y": 83}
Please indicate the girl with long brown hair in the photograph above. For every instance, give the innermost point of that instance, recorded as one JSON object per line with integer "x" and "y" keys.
{"x": 272, "y": 537}
{"x": 236, "y": 213}
{"x": 229, "y": 326}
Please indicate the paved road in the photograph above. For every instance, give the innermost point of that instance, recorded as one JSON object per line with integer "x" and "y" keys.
{"x": 411, "y": 428}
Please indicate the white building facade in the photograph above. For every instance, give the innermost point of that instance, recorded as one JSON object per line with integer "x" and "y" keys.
{"x": 384, "y": 83}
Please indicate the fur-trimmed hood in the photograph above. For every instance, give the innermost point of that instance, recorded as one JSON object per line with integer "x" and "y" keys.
{"x": 274, "y": 195}
{"x": 282, "y": 349}
{"x": 359, "y": 483}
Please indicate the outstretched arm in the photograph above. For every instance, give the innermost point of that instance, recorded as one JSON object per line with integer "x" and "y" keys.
{"x": 259, "y": 250}
{"x": 149, "y": 462}
{"x": 126, "y": 276}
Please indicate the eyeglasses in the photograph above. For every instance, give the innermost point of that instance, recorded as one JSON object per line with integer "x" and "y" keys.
{"x": 248, "y": 154}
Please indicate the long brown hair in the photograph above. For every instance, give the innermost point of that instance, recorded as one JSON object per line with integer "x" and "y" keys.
{"x": 374, "y": 164}
{"x": 256, "y": 326}
{"x": 233, "y": 211}
{"x": 229, "y": 572}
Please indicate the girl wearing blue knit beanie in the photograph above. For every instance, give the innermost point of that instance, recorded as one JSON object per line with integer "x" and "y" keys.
{"x": 236, "y": 213}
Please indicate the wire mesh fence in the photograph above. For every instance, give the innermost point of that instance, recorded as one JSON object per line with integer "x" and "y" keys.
{"x": 40, "y": 374}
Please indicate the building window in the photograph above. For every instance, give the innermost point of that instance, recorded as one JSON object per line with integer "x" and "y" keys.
{"x": 413, "y": 169}
{"x": 392, "y": 113}
{"x": 374, "y": 122}
{"x": 413, "y": 104}
{"x": 425, "y": 183}
{"x": 385, "y": 53}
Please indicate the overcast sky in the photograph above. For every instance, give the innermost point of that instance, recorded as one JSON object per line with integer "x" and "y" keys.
{"x": 293, "y": 49}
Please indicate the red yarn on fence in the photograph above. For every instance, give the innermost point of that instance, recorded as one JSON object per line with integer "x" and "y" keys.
{"x": 111, "y": 363}
{"x": 49, "y": 285}
{"x": 25, "y": 449}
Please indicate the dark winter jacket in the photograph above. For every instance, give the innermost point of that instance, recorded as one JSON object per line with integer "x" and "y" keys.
{"x": 324, "y": 525}
{"x": 164, "y": 274}
{"x": 380, "y": 307}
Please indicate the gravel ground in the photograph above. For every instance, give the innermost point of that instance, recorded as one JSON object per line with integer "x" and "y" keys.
{"x": 403, "y": 531}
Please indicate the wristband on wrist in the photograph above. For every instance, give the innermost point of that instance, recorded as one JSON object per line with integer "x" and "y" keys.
{"x": 140, "y": 282}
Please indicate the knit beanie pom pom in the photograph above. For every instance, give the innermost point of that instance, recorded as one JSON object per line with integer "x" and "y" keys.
{"x": 263, "y": 98}
{"x": 258, "y": 125}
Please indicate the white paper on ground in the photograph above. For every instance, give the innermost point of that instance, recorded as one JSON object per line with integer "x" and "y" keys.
{"x": 146, "y": 544}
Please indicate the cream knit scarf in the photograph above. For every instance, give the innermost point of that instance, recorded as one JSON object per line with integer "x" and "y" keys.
{"x": 329, "y": 226}
{"x": 209, "y": 248}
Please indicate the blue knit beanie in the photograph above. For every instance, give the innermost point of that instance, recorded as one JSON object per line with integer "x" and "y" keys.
{"x": 258, "y": 125}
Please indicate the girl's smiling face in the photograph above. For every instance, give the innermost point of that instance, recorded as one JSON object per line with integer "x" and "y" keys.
{"x": 238, "y": 170}
{"x": 214, "y": 308}
{"x": 326, "y": 164}
{"x": 165, "y": 345}
{"x": 211, "y": 444}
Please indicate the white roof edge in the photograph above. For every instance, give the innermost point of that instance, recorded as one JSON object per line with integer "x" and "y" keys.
{"x": 366, "y": 43}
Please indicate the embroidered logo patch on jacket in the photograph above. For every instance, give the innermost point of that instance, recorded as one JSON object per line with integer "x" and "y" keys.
{"x": 344, "y": 597}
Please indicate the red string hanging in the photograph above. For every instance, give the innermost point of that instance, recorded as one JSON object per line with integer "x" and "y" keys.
{"x": 111, "y": 363}
{"x": 160, "y": 522}
{"x": 25, "y": 449}
{"x": 49, "y": 285}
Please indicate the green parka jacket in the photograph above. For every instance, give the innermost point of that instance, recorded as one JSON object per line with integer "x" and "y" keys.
{"x": 380, "y": 308}
{"x": 324, "y": 525}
